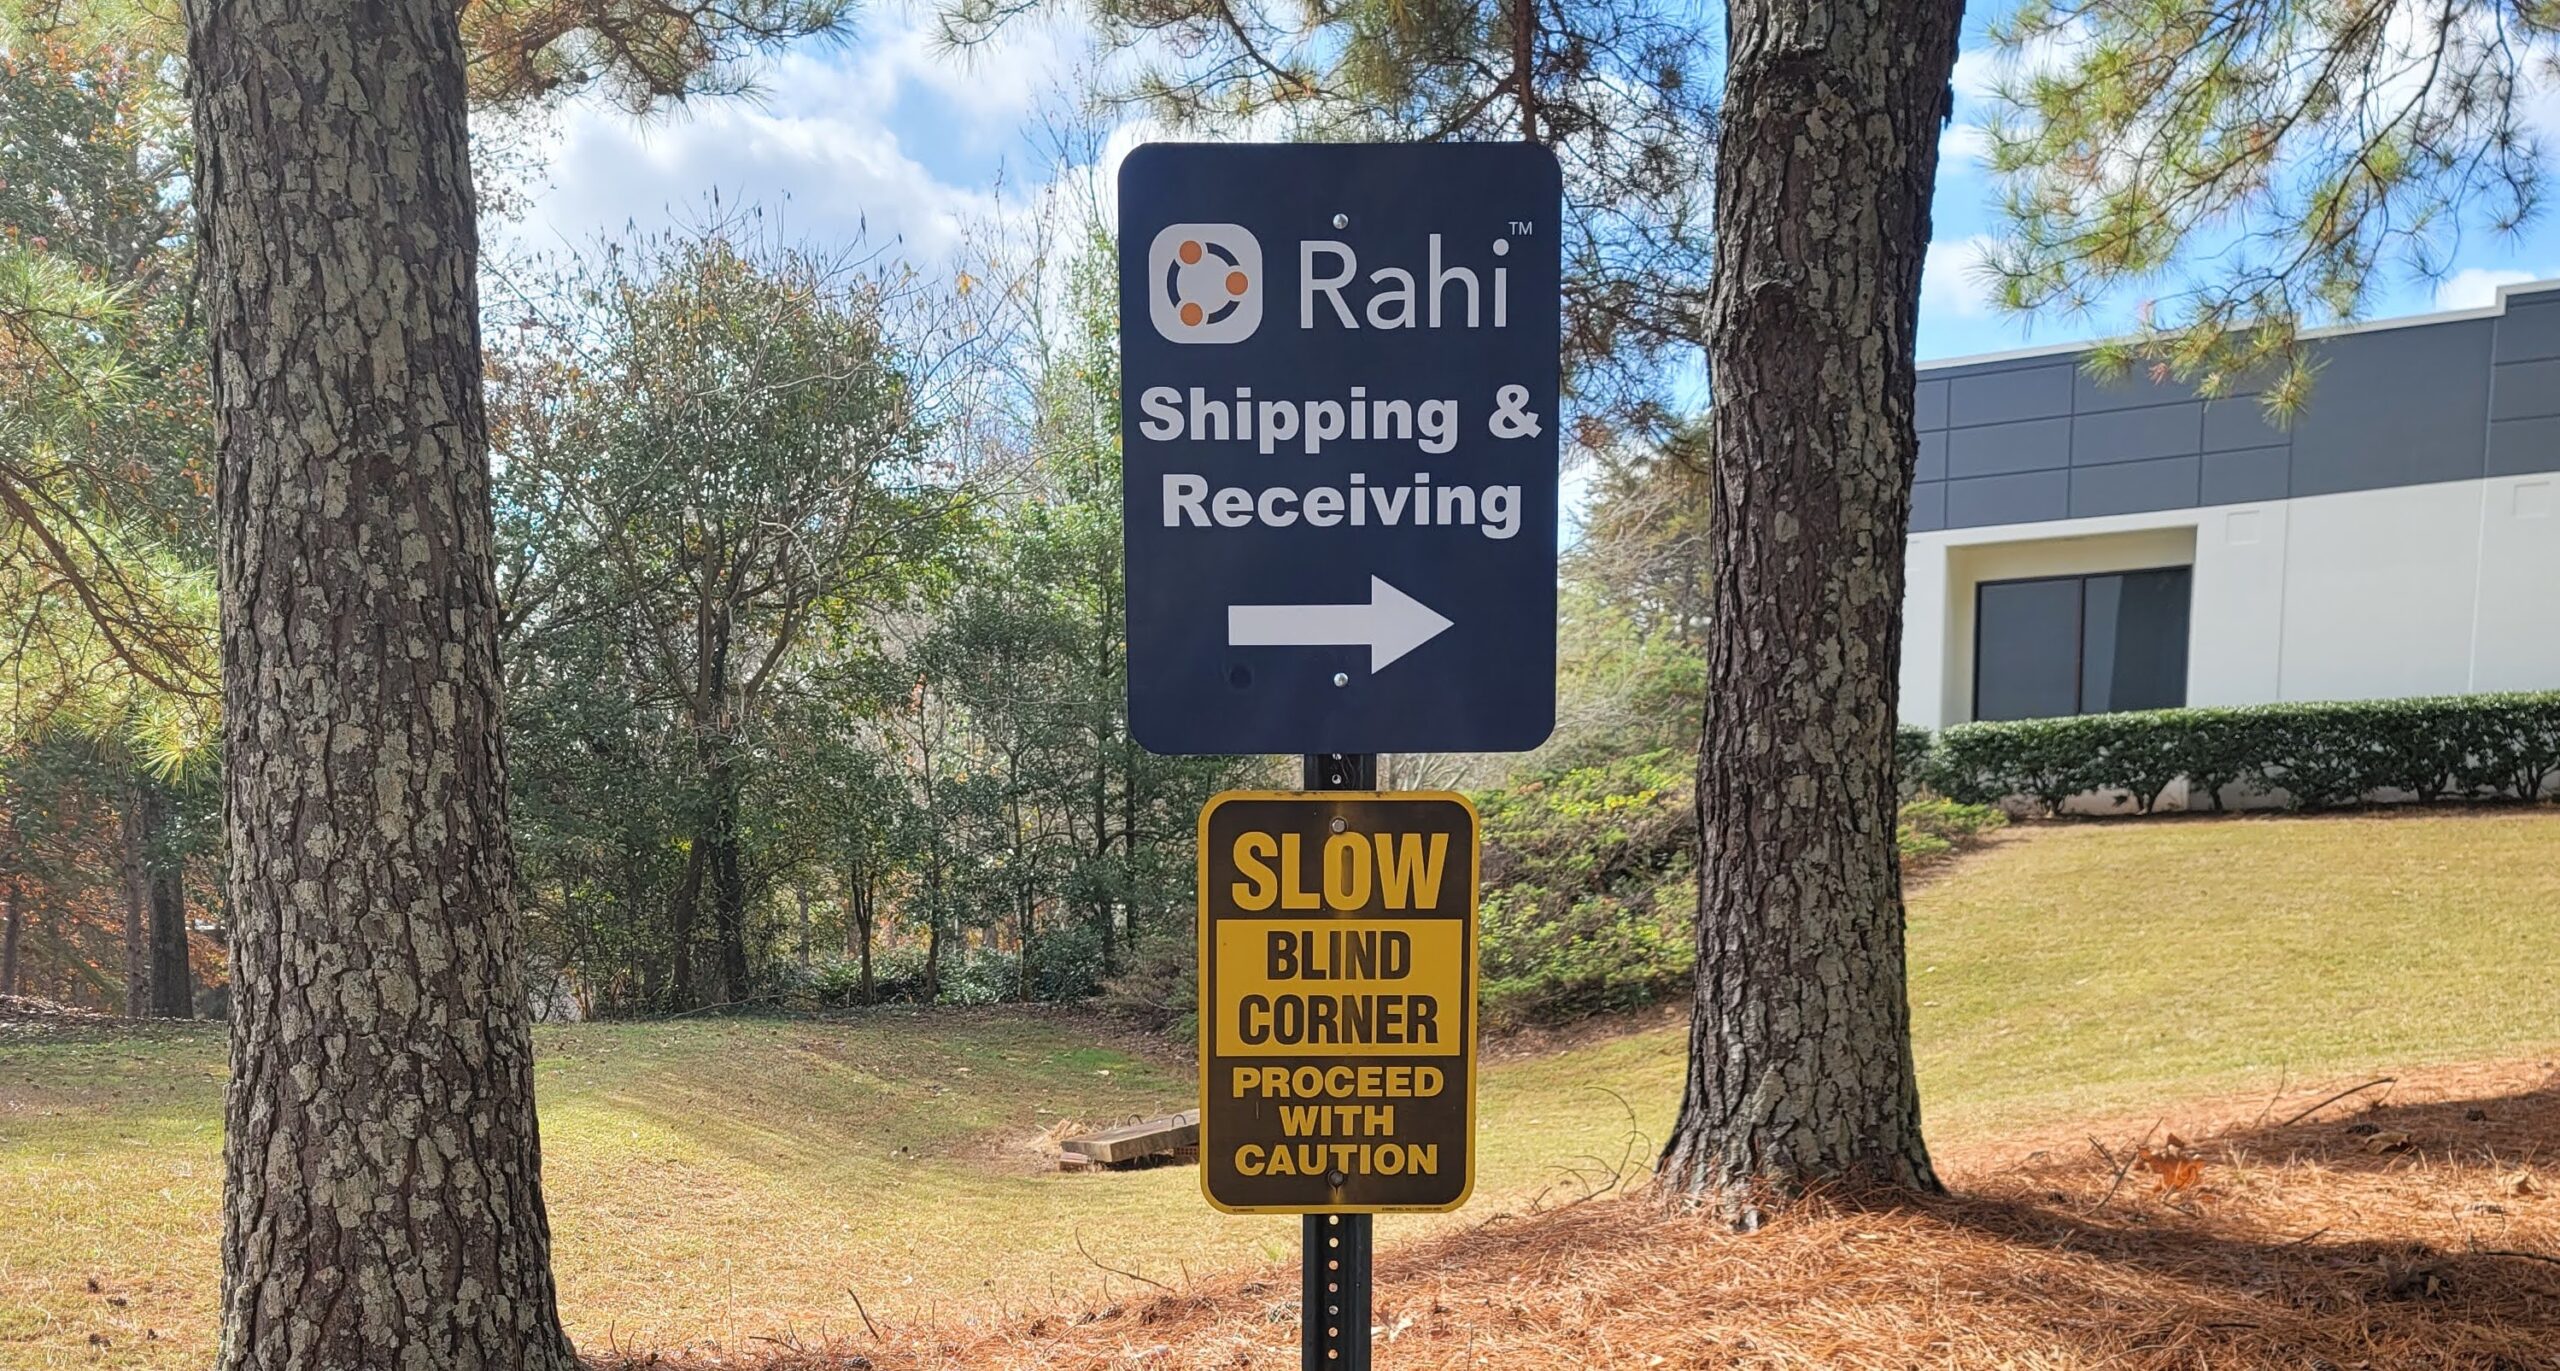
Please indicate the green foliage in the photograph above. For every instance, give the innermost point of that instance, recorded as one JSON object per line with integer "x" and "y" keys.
{"x": 2311, "y": 755}
{"x": 2254, "y": 166}
{"x": 1624, "y": 91}
{"x": 1161, "y": 987}
{"x": 1932, "y": 826}
{"x": 1590, "y": 884}
{"x": 1590, "y": 890}
{"x": 106, "y": 592}
{"x": 1914, "y": 748}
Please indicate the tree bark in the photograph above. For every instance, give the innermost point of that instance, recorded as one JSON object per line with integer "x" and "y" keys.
{"x": 688, "y": 900}
{"x": 133, "y": 825}
{"x": 9, "y": 935}
{"x": 1800, "y": 1045}
{"x": 164, "y": 888}
{"x": 728, "y": 885}
{"x": 382, "y": 1201}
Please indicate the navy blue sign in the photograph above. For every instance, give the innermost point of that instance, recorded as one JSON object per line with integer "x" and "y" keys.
{"x": 1339, "y": 439}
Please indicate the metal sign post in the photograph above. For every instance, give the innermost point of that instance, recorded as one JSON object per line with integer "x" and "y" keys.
{"x": 1333, "y": 1249}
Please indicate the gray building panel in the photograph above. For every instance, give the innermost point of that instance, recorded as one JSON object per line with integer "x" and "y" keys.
{"x": 2136, "y": 388}
{"x": 2022, "y": 499}
{"x": 2134, "y": 487}
{"x": 2240, "y": 421}
{"x": 2245, "y": 476}
{"x": 2524, "y": 390}
{"x": 1998, "y": 449}
{"x": 2133, "y": 435}
{"x": 2522, "y": 446}
{"x": 2395, "y": 407}
{"x": 1928, "y": 506}
{"x": 2530, "y": 329}
{"x": 2036, "y": 438}
{"x": 2002, "y": 396}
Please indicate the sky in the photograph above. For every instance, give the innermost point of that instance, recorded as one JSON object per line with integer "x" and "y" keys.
{"x": 888, "y": 141}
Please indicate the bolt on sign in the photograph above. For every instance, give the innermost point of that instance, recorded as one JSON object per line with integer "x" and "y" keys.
{"x": 1337, "y": 1001}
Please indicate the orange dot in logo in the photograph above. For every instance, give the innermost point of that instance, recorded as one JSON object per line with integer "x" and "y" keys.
{"x": 1190, "y": 251}
{"x": 1190, "y": 314}
{"x": 1236, "y": 283}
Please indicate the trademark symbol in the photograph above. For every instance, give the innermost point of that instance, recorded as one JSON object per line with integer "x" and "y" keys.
{"x": 1522, "y": 228}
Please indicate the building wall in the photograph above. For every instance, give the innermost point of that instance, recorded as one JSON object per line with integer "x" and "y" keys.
{"x": 2400, "y": 537}
{"x": 2422, "y": 590}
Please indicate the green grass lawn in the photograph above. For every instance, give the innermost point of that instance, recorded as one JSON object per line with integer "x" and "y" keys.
{"x": 728, "y": 1180}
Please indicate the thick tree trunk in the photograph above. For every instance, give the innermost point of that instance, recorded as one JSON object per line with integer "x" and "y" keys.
{"x": 1800, "y": 1042}
{"x": 133, "y": 825}
{"x": 688, "y": 900}
{"x": 9, "y": 935}
{"x": 173, "y": 982}
{"x": 382, "y": 1201}
{"x": 729, "y": 888}
{"x": 164, "y": 888}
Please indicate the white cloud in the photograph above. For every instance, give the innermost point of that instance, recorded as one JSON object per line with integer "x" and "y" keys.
{"x": 2476, "y": 287}
{"x": 1963, "y": 146}
{"x": 1977, "y": 73}
{"x": 1951, "y": 284}
{"x": 830, "y": 178}
{"x": 825, "y": 143}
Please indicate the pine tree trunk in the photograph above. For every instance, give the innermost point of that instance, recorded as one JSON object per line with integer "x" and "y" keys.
{"x": 132, "y": 825}
{"x": 173, "y": 982}
{"x": 1800, "y": 1043}
{"x": 9, "y": 935}
{"x": 164, "y": 889}
{"x": 382, "y": 1202}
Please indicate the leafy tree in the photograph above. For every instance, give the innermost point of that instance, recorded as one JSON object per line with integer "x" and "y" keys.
{"x": 1620, "y": 89}
{"x": 712, "y": 442}
{"x": 1800, "y": 1065}
{"x": 2252, "y": 167}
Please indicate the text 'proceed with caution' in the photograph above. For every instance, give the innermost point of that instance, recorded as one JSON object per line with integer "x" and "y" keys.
{"x": 1337, "y": 1001}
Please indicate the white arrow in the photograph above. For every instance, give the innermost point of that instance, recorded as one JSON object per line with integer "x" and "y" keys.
{"x": 1392, "y": 624}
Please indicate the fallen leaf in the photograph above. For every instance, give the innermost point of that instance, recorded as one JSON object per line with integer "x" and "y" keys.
{"x": 2174, "y": 1172}
{"x": 2387, "y": 1140}
{"x": 2521, "y": 1183}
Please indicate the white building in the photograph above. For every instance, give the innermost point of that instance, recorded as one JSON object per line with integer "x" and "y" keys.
{"x": 2080, "y": 547}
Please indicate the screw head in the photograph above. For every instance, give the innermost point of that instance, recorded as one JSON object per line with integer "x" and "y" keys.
{"x": 1341, "y": 678}
{"x": 1337, "y": 825}
{"x": 1342, "y": 221}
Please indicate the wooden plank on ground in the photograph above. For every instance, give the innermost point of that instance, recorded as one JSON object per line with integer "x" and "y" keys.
{"x": 1146, "y": 1138}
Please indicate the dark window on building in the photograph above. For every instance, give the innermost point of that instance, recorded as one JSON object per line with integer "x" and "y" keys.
{"x": 2061, "y": 645}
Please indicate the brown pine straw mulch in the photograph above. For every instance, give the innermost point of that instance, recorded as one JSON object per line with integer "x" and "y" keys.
{"x": 2409, "y": 1224}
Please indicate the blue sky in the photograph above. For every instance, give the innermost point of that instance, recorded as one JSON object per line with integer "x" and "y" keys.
{"x": 888, "y": 140}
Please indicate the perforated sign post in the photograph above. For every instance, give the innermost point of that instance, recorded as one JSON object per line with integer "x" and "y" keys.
{"x": 1339, "y": 440}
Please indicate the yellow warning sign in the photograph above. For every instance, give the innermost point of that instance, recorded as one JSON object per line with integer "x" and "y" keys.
{"x": 1337, "y": 1001}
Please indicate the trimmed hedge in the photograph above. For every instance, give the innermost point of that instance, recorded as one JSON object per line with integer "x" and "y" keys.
{"x": 2311, "y": 756}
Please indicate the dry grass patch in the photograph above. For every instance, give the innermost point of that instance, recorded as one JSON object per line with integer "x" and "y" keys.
{"x": 2401, "y": 1229}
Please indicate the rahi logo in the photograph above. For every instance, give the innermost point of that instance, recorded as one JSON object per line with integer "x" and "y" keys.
{"x": 1204, "y": 283}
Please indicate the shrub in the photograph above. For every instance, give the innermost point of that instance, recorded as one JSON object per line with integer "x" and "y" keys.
{"x": 1933, "y": 826}
{"x": 1590, "y": 890}
{"x": 2313, "y": 755}
{"x": 1160, "y": 987}
{"x": 1915, "y": 755}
